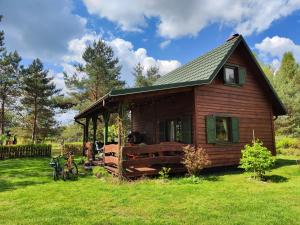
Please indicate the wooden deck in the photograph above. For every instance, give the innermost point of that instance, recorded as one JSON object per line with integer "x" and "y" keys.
{"x": 143, "y": 160}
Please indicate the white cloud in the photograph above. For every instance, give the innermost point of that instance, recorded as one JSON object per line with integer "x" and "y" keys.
{"x": 272, "y": 49}
{"x": 40, "y": 28}
{"x": 165, "y": 43}
{"x": 124, "y": 50}
{"x": 181, "y": 18}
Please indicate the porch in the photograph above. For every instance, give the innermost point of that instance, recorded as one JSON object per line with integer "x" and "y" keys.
{"x": 164, "y": 120}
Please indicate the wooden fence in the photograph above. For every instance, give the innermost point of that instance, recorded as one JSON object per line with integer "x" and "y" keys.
{"x": 144, "y": 160}
{"x": 19, "y": 151}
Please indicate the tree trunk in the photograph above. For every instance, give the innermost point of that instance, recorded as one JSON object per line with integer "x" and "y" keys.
{"x": 2, "y": 117}
{"x": 34, "y": 123}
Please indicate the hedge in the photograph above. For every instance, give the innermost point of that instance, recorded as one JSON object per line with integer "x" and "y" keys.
{"x": 19, "y": 151}
{"x": 75, "y": 147}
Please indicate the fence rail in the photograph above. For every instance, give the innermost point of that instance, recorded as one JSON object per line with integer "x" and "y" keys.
{"x": 20, "y": 151}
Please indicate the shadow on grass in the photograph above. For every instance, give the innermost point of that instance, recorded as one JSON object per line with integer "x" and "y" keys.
{"x": 284, "y": 162}
{"x": 275, "y": 178}
{"x": 8, "y": 186}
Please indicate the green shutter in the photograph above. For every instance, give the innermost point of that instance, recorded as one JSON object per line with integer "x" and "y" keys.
{"x": 211, "y": 129}
{"x": 162, "y": 131}
{"x": 235, "y": 131}
{"x": 187, "y": 130}
{"x": 242, "y": 75}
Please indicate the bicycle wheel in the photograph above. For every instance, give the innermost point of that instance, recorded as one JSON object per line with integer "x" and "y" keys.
{"x": 55, "y": 175}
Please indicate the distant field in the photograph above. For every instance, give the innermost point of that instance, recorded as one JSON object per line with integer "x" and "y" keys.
{"x": 29, "y": 196}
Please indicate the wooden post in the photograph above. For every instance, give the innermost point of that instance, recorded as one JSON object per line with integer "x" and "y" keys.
{"x": 87, "y": 121}
{"x": 120, "y": 138}
{"x": 106, "y": 116}
{"x": 94, "y": 119}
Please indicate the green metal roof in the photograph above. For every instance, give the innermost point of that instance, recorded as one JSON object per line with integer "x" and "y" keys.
{"x": 199, "y": 71}
{"x": 202, "y": 68}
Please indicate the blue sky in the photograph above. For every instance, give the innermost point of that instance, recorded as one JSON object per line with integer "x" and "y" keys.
{"x": 152, "y": 32}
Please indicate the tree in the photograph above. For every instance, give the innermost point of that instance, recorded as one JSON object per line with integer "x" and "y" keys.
{"x": 102, "y": 73}
{"x": 141, "y": 80}
{"x": 9, "y": 77}
{"x": 38, "y": 91}
{"x": 287, "y": 84}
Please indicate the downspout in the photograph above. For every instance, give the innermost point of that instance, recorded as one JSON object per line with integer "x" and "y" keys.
{"x": 276, "y": 117}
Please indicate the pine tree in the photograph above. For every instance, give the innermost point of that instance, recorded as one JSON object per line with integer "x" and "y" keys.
{"x": 287, "y": 85}
{"x": 38, "y": 92}
{"x": 9, "y": 77}
{"x": 102, "y": 72}
{"x": 141, "y": 80}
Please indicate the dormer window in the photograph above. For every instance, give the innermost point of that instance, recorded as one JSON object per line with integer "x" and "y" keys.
{"x": 234, "y": 75}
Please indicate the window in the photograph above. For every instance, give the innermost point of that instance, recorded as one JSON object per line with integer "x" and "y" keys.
{"x": 230, "y": 75}
{"x": 234, "y": 75}
{"x": 179, "y": 130}
{"x": 174, "y": 130}
{"x": 222, "y": 129}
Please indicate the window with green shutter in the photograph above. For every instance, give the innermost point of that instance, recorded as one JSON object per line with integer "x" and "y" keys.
{"x": 222, "y": 129}
{"x": 234, "y": 75}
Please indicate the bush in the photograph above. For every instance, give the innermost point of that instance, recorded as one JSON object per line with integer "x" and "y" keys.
{"x": 195, "y": 159}
{"x": 18, "y": 151}
{"x": 76, "y": 147}
{"x": 257, "y": 159}
{"x": 287, "y": 142}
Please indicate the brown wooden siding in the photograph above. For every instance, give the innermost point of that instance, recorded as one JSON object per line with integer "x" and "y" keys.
{"x": 146, "y": 116}
{"x": 249, "y": 103}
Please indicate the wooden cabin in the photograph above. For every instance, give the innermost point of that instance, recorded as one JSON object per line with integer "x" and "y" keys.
{"x": 218, "y": 101}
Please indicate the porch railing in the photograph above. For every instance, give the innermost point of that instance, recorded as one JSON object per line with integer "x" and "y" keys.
{"x": 144, "y": 160}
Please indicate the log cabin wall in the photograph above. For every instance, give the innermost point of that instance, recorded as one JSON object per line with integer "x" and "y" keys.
{"x": 145, "y": 117}
{"x": 249, "y": 103}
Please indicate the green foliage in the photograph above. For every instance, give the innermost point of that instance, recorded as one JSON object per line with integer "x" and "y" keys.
{"x": 103, "y": 74}
{"x": 164, "y": 173}
{"x": 112, "y": 132}
{"x": 288, "y": 146}
{"x": 191, "y": 180}
{"x": 76, "y": 147}
{"x": 287, "y": 84}
{"x": 100, "y": 172}
{"x": 257, "y": 159}
{"x": 38, "y": 90}
{"x": 145, "y": 79}
{"x": 9, "y": 80}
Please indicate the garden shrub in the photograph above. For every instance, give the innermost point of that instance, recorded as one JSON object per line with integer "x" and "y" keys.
{"x": 288, "y": 146}
{"x": 257, "y": 159}
{"x": 195, "y": 159}
{"x": 76, "y": 147}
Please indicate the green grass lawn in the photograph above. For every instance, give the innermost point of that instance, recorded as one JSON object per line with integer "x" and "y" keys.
{"x": 29, "y": 196}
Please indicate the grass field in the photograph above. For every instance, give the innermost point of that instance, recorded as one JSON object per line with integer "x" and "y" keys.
{"x": 29, "y": 196}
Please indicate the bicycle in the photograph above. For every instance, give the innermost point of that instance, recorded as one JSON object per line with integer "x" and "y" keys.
{"x": 69, "y": 170}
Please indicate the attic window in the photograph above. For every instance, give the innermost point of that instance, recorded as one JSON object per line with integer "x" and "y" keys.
{"x": 230, "y": 75}
{"x": 234, "y": 75}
